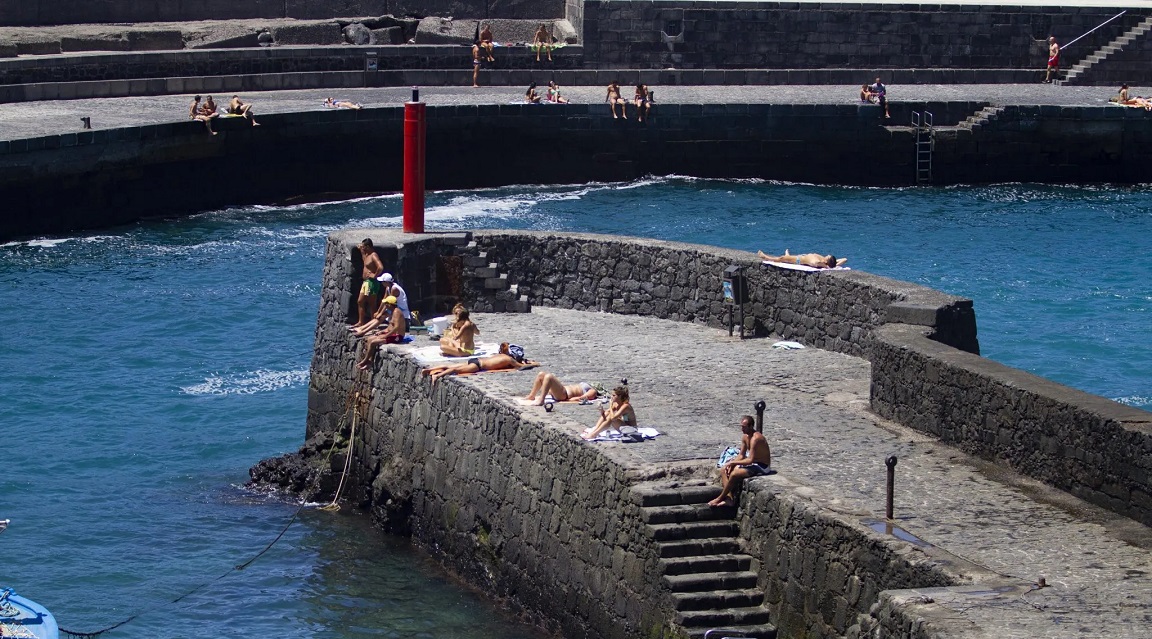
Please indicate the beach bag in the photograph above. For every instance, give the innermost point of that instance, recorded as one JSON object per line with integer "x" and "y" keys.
{"x": 629, "y": 435}
{"x": 728, "y": 455}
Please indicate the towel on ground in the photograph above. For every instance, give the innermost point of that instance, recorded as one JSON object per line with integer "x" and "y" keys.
{"x": 789, "y": 345}
{"x": 431, "y": 354}
{"x": 613, "y": 435}
{"x": 804, "y": 267}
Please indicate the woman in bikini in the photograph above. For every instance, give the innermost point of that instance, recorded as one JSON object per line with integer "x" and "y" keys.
{"x": 462, "y": 342}
{"x": 548, "y": 384}
{"x": 619, "y": 413}
{"x": 531, "y": 96}
{"x": 554, "y": 93}
{"x": 510, "y": 358}
{"x": 614, "y": 99}
{"x": 196, "y": 112}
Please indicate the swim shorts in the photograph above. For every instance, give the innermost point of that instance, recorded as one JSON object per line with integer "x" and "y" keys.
{"x": 370, "y": 288}
{"x": 755, "y": 470}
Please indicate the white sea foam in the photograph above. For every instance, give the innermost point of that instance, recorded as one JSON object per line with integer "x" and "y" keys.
{"x": 1135, "y": 400}
{"x": 48, "y": 243}
{"x": 247, "y": 383}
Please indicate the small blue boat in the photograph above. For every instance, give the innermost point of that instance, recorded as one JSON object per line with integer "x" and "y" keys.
{"x": 24, "y": 618}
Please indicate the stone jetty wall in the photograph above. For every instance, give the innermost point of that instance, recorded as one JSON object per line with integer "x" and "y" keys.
{"x": 686, "y": 34}
{"x": 473, "y": 478}
{"x": 1094, "y": 448}
{"x": 102, "y": 177}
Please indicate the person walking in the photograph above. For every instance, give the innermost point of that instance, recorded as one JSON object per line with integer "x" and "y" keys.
{"x": 1053, "y": 59}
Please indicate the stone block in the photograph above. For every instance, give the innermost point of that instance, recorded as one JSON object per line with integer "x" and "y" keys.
{"x": 155, "y": 40}
{"x": 309, "y": 33}
{"x": 238, "y": 42}
{"x": 94, "y": 43}
{"x": 387, "y": 35}
{"x": 8, "y": 50}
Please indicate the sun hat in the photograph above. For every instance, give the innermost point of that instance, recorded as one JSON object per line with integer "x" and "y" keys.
{"x": 391, "y": 299}
{"x": 385, "y": 277}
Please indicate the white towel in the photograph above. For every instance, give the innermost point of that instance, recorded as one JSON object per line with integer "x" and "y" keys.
{"x": 791, "y": 345}
{"x": 432, "y": 355}
{"x": 805, "y": 267}
{"x": 612, "y": 434}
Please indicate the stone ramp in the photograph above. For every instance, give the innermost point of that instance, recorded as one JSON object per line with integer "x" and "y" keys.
{"x": 693, "y": 383}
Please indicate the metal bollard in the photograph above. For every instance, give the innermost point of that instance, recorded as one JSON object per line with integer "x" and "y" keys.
{"x": 760, "y": 406}
{"x": 891, "y": 464}
{"x": 86, "y": 122}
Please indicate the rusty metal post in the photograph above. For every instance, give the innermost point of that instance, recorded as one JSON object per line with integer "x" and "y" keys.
{"x": 891, "y": 464}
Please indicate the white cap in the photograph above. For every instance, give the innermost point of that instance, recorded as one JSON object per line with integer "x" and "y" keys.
{"x": 385, "y": 277}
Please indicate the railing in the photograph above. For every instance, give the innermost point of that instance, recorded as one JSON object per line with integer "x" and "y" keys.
{"x": 1094, "y": 28}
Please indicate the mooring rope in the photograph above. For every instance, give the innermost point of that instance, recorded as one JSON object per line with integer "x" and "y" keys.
{"x": 356, "y": 400}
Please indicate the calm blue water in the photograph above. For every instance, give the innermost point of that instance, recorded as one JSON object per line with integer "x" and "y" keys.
{"x": 146, "y": 368}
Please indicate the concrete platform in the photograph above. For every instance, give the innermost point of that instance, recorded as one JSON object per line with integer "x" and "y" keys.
{"x": 693, "y": 383}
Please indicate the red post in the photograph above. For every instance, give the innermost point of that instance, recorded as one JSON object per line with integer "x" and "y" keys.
{"x": 414, "y": 134}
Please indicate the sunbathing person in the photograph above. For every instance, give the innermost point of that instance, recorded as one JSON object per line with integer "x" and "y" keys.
{"x": 815, "y": 260}
{"x": 486, "y": 43}
{"x": 554, "y": 93}
{"x": 531, "y": 96}
{"x": 341, "y": 104}
{"x": 511, "y": 357}
{"x": 614, "y": 98}
{"x": 643, "y": 102}
{"x": 619, "y": 413}
{"x": 391, "y": 335}
{"x": 542, "y": 41}
{"x": 237, "y": 107}
{"x": 866, "y": 94}
{"x": 462, "y": 343}
{"x": 548, "y": 384}
{"x": 755, "y": 459}
{"x": 196, "y": 112}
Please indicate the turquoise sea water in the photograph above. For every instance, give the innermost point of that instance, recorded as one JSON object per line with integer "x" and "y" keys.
{"x": 146, "y": 368}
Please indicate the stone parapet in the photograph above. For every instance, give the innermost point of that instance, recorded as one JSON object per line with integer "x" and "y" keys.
{"x": 1094, "y": 448}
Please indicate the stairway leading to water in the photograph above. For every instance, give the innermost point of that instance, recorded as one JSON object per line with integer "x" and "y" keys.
{"x": 1080, "y": 73}
{"x": 712, "y": 580}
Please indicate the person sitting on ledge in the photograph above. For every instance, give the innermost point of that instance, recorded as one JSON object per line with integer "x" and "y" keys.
{"x": 394, "y": 334}
{"x": 510, "y": 357}
{"x": 866, "y": 94}
{"x": 548, "y": 384}
{"x": 341, "y": 104}
{"x": 614, "y": 98}
{"x": 486, "y": 43}
{"x": 237, "y": 107}
{"x": 531, "y": 96}
{"x": 755, "y": 459}
{"x": 619, "y": 413}
{"x": 554, "y": 93}
{"x": 815, "y": 260}
{"x": 542, "y": 41}
{"x": 460, "y": 339}
{"x": 196, "y": 112}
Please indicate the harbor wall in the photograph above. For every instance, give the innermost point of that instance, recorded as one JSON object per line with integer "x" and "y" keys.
{"x": 719, "y": 35}
{"x": 103, "y": 177}
{"x": 474, "y": 477}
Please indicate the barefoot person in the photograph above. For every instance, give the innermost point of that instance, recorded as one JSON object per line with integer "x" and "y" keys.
{"x": 815, "y": 260}
{"x": 1053, "y": 59}
{"x": 542, "y": 41}
{"x": 755, "y": 459}
{"x": 510, "y": 357}
{"x": 614, "y": 99}
{"x": 237, "y": 107}
{"x": 486, "y": 43}
{"x": 462, "y": 342}
{"x": 619, "y": 413}
{"x": 548, "y": 384}
{"x": 394, "y": 334}
{"x": 475, "y": 66}
{"x": 342, "y": 104}
{"x": 643, "y": 101}
{"x": 196, "y": 112}
{"x": 370, "y": 289}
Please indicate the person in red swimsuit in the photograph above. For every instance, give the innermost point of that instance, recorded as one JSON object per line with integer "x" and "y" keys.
{"x": 1053, "y": 59}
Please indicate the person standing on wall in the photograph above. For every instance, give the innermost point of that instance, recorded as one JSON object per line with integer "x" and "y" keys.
{"x": 1053, "y": 59}
{"x": 370, "y": 289}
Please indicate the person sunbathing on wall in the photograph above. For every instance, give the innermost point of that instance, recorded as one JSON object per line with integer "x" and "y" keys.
{"x": 462, "y": 342}
{"x": 548, "y": 384}
{"x": 510, "y": 357}
{"x": 619, "y": 413}
{"x": 341, "y": 104}
{"x": 815, "y": 260}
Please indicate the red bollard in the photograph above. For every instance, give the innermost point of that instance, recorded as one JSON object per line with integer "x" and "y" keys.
{"x": 415, "y": 129}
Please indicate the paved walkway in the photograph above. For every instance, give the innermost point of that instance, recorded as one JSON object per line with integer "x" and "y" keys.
{"x": 34, "y": 119}
{"x": 693, "y": 383}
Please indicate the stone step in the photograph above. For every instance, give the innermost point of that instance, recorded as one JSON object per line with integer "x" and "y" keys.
{"x": 698, "y": 547}
{"x": 476, "y": 261}
{"x": 722, "y": 618}
{"x": 496, "y": 283}
{"x": 702, "y": 581}
{"x": 717, "y": 599}
{"x": 733, "y": 562}
{"x": 759, "y": 631}
{"x": 694, "y": 530}
{"x": 456, "y": 239}
{"x": 687, "y": 512}
{"x": 675, "y": 494}
{"x": 485, "y": 272}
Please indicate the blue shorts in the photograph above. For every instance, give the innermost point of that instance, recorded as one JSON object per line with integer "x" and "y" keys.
{"x": 755, "y": 470}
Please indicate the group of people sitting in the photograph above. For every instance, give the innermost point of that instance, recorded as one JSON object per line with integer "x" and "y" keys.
{"x": 1124, "y": 99}
{"x": 532, "y": 96}
{"x": 207, "y": 111}
{"x": 875, "y": 93}
{"x": 642, "y": 99}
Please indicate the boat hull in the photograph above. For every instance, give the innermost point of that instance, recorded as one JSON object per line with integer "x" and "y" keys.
{"x": 22, "y": 617}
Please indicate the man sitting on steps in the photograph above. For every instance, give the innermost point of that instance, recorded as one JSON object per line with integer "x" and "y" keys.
{"x": 755, "y": 459}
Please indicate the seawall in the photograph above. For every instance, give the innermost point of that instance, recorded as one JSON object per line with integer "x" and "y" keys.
{"x": 99, "y": 178}
{"x": 578, "y": 536}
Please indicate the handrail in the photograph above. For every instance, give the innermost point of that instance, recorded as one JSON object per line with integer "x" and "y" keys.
{"x": 1095, "y": 28}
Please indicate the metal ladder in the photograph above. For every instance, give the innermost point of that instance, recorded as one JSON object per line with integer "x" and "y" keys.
{"x": 925, "y": 144}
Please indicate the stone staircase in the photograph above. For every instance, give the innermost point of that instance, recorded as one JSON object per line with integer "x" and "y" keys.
{"x": 713, "y": 583}
{"x": 488, "y": 287}
{"x": 1079, "y": 72}
{"x": 977, "y": 120}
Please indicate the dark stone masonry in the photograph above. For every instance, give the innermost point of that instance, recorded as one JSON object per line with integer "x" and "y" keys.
{"x": 511, "y": 499}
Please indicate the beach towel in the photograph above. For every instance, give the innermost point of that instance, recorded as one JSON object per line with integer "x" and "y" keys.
{"x": 788, "y": 345}
{"x": 804, "y": 267}
{"x": 613, "y": 435}
{"x": 427, "y": 355}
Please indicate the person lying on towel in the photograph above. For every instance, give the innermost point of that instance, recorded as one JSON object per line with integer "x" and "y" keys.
{"x": 548, "y": 384}
{"x": 510, "y": 357}
{"x": 815, "y": 260}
